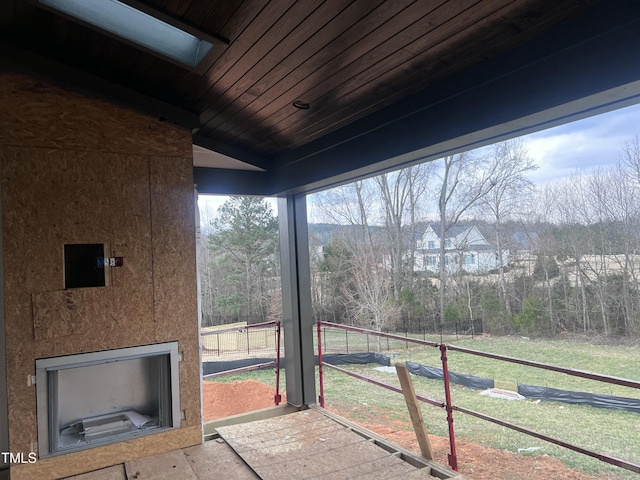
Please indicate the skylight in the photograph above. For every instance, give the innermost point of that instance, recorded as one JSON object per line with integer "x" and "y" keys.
{"x": 138, "y": 27}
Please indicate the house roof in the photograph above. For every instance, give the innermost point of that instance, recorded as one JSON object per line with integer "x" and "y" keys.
{"x": 452, "y": 231}
{"x": 386, "y": 84}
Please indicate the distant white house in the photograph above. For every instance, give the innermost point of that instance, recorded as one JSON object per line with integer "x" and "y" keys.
{"x": 466, "y": 249}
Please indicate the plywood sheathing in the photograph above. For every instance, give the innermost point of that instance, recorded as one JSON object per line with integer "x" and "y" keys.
{"x": 215, "y": 459}
{"x": 112, "y": 473}
{"x": 38, "y": 114}
{"x": 99, "y": 458}
{"x": 307, "y": 444}
{"x": 174, "y": 264}
{"x": 79, "y": 170}
{"x": 166, "y": 466}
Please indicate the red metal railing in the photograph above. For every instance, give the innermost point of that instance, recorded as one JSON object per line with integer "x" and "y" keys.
{"x": 450, "y": 408}
{"x": 452, "y": 457}
{"x": 278, "y": 334}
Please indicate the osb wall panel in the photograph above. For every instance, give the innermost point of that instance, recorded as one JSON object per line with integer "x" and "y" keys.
{"x": 63, "y": 313}
{"x": 173, "y": 238}
{"x": 89, "y": 179}
{"x": 73, "y": 123}
{"x": 97, "y": 458}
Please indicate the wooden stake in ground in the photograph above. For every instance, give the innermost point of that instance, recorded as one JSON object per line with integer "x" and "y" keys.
{"x": 414, "y": 410}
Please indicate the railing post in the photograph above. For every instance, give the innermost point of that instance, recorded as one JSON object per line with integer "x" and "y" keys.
{"x": 346, "y": 339}
{"x": 278, "y": 398}
{"x": 324, "y": 337}
{"x": 218, "y": 338}
{"x": 368, "y": 349}
{"x": 247, "y": 330}
{"x": 453, "y": 457}
{"x": 320, "y": 375}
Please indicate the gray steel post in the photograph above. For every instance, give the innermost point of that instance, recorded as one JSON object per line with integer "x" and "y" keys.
{"x": 297, "y": 316}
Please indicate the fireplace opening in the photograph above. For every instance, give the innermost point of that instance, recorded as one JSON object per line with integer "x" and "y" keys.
{"x": 94, "y": 399}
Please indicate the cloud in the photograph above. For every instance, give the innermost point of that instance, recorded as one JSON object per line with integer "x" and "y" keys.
{"x": 582, "y": 145}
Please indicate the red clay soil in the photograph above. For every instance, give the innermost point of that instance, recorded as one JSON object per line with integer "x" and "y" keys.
{"x": 225, "y": 399}
{"x": 480, "y": 463}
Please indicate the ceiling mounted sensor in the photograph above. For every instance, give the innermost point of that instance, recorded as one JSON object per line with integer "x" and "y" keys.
{"x": 142, "y": 27}
{"x": 301, "y": 104}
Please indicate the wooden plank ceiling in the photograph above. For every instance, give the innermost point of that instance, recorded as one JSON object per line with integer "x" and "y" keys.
{"x": 345, "y": 59}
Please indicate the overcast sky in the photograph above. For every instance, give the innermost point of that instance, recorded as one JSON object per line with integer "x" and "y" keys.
{"x": 584, "y": 144}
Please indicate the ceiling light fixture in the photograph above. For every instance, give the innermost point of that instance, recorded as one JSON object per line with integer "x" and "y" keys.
{"x": 302, "y": 105}
{"x": 151, "y": 30}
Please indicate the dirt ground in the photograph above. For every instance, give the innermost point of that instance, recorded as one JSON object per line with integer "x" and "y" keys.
{"x": 475, "y": 461}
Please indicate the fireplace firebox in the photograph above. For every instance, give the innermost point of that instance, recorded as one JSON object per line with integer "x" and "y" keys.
{"x": 93, "y": 399}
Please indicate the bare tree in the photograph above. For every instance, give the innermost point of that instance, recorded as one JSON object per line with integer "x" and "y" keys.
{"x": 466, "y": 178}
{"x": 370, "y": 301}
{"x": 368, "y": 292}
{"x": 401, "y": 192}
{"x": 511, "y": 191}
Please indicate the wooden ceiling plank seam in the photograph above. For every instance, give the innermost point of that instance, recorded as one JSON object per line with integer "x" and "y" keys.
{"x": 516, "y": 67}
{"x": 371, "y": 76}
{"x": 315, "y": 44}
{"x": 361, "y": 46}
{"x": 471, "y": 15}
{"x": 199, "y": 11}
{"x": 258, "y": 102}
{"x": 387, "y": 94}
{"x": 235, "y": 17}
{"x": 233, "y": 29}
{"x": 259, "y": 50}
{"x": 219, "y": 17}
{"x": 326, "y": 90}
{"x": 249, "y": 80}
{"x": 311, "y": 63}
{"x": 385, "y": 72}
{"x": 237, "y": 50}
{"x": 493, "y": 40}
{"x": 264, "y": 56}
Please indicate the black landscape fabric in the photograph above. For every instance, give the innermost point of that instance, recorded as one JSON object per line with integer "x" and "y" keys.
{"x": 580, "y": 398}
{"x": 333, "y": 358}
{"x": 477, "y": 383}
{"x": 356, "y": 359}
{"x": 215, "y": 367}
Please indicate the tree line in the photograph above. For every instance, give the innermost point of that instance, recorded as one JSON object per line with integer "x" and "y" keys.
{"x": 567, "y": 253}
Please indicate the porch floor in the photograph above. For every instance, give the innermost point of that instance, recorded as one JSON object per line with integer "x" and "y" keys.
{"x": 212, "y": 459}
{"x": 304, "y": 444}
